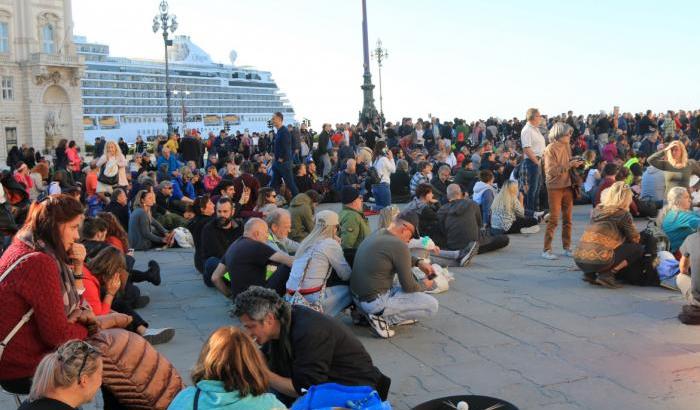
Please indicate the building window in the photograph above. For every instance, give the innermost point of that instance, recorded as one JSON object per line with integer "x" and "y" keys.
{"x": 6, "y": 87}
{"x": 4, "y": 37}
{"x": 48, "y": 39}
{"x": 10, "y": 137}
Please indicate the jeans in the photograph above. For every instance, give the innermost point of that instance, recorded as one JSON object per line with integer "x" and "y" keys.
{"x": 336, "y": 299}
{"x": 397, "y": 306}
{"x": 443, "y": 258}
{"x": 684, "y": 284}
{"x": 382, "y": 195}
{"x": 532, "y": 195}
{"x": 326, "y": 159}
{"x": 561, "y": 201}
{"x": 280, "y": 171}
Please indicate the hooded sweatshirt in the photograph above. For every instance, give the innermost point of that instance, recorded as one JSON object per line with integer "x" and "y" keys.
{"x": 479, "y": 189}
{"x": 214, "y": 396}
{"x": 302, "y": 212}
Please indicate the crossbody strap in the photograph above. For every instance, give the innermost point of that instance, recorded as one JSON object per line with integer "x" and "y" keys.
{"x": 195, "y": 406}
{"x": 25, "y": 318}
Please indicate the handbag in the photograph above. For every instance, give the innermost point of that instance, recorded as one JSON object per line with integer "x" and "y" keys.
{"x": 106, "y": 179}
{"x": 576, "y": 183}
{"x": 26, "y": 316}
{"x": 298, "y": 299}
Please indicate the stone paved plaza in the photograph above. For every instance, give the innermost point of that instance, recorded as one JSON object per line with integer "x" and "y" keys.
{"x": 513, "y": 326}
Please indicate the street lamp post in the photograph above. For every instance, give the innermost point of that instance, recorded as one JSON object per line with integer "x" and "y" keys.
{"x": 380, "y": 54}
{"x": 182, "y": 95}
{"x": 369, "y": 112}
{"x": 168, "y": 23}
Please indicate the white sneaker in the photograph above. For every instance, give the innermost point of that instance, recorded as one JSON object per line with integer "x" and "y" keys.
{"x": 549, "y": 255}
{"x": 158, "y": 336}
{"x": 538, "y": 214}
{"x": 407, "y": 322}
{"x": 530, "y": 229}
{"x": 379, "y": 326}
{"x": 568, "y": 253}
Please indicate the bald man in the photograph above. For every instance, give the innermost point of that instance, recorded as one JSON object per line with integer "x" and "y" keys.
{"x": 250, "y": 261}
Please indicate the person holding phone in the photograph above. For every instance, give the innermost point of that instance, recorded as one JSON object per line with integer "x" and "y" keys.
{"x": 383, "y": 166}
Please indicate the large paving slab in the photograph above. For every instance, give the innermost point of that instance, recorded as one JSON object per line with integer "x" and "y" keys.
{"x": 513, "y": 325}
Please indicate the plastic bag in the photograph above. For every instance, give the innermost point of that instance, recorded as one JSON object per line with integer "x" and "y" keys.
{"x": 184, "y": 238}
{"x": 329, "y": 396}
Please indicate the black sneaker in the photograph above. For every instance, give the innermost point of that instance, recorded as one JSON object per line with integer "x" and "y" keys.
{"x": 466, "y": 254}
{"x": 379, "y": 326}
{"x": 358, "y": 318}
{"x": 159, "y": 336}
{"x": 590, "y": 278}
{"x": 154, "y": 272}
{"x": 141, "y": 302}
{"x": 607, "y": 280}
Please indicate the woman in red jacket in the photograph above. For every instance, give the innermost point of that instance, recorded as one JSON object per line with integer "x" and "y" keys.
{"x": 41, "y": 263}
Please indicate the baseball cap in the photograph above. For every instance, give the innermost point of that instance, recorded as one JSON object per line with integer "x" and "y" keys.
{"x": 327, "y": 218}
{"x": 412, "y": 218}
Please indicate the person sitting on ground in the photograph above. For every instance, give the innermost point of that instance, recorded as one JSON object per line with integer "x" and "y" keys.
{"x": 400, "y": 183}
{"x": 301, "y": 178}
{"x": 217, "y": 235}
{"x": 611, "y": 242}
{"x": 484, "y": 192}
{"x": 247, "y": 260}
{"x": 440, "y": 182}
{"x": 677, "y": 218}
{"x": 145, "y": 232}
{"x": 508, "y": 214}
{"x": 305, "y": 348}
{"x": 183, "y": 188}
{"x": 687, "y": 280}
{"x": 66, "y": 379}
{"x": 380, "y": 258}
{"x": 425, "y": 206}
{"x": 212, "y": 179}
{"x": 673, "y": 160}
{"x": 318, "y": 257}
{"x": 229, "y": 374}
{"x": 422, "y": 176}
{"x": 467, "y": 176}
{"x": 119, "y": 207}
{"x": 609, "y": 177}
{"x": 302, "y": 208}
{"x": 167, "y": 210}
{"x": 203, "y": 213}
{"x": 168, "y": 160}
{"x": 247, "y": 181}
{"x": 280, "y": 223}
{"x": 266, "y": 202}
{"x": 594, "y": 176}
{"x": 354, "y": 225}
{"x": 460, "y": 223}
{"x": 102, "y": 280}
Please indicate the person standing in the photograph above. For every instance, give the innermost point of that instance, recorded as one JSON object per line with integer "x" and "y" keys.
{"x": 322, "y": 154}
{"x": 282, "y": 164}
{"x": 557, "y": 167}
{"x": 533, "y": 144}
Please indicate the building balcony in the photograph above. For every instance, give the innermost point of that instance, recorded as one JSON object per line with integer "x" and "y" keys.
{"x": 56, "y": 60}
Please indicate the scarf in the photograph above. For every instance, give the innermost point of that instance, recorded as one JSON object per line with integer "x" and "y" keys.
{"x": 71, "y": 299}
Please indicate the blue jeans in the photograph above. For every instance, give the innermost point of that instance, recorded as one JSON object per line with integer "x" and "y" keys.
{"x": 382, "y": 195}
{"x": 209, "y": 267}
{"x": 335, "y": 299}
{"x": 532, "y": 195}
{"x": 397, "y": 306}
{"x": 280, "y": 171}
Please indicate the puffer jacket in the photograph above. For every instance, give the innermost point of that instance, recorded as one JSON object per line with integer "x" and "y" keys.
{"x": 302, "y": 212}
{"x": 136, "y": 373}
{"x": 459, "y": 222}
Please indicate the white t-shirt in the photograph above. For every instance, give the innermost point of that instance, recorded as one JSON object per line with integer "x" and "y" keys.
{"x": 532, "y": 137}
{"x": 385, "y": 167}
{"x": 591, "y": 178}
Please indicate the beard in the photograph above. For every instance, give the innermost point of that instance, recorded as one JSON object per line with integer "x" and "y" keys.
{"x": 223, "y": 222}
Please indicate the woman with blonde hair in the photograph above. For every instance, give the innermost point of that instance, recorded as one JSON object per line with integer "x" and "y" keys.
{"x": 508, "y": 214}
{"x": 317, "y": 256}
{"x": 112, "y": 170}
{"x": 230, "y": 374}
{"x": 66, "y": 378}
{"x": 677, "y": 218}
{"x": 673, "y": 160}
{"x": 611, "y": 242}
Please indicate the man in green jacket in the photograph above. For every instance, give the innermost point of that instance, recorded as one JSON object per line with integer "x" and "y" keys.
{"x": 354, "y": 226}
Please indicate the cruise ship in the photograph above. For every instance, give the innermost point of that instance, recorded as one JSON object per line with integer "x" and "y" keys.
{"x": 123, "y": 98}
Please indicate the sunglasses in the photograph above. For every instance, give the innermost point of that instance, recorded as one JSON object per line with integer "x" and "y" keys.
{"x": 86, "y": 350}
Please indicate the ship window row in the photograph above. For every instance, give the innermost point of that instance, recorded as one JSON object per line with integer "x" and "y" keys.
{"x": 190, "y": 103}
{"x": 87, "y": 92}
{"x": 87, "y": 83}
{"x": 91, "y": 110}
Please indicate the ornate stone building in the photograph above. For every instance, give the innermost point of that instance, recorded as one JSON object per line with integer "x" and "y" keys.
{"x": 40, "y": 71}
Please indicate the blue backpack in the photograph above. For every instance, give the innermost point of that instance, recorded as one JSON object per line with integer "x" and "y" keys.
{"x": 328, "y": 396}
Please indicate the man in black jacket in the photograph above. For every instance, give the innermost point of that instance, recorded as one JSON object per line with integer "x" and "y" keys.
{"x": 217, "y": 235}
{"x": 303, "y": 347}
{"x": 321, "y": 156}
{"x": 190, "y": 150}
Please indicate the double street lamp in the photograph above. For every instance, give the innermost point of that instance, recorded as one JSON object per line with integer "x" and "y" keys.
{"x": 167, "y": 22}
{"x": 380, "y": 54}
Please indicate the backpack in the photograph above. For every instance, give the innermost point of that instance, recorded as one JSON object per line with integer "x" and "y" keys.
{"x": 654, "y": 239}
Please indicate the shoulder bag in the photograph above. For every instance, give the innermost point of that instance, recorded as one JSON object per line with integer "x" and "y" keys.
{"x": 298, "y": 299}
{"x": 26, "y": 316}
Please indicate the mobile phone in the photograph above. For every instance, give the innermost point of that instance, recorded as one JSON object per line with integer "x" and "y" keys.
{"x": 130, "y": 250}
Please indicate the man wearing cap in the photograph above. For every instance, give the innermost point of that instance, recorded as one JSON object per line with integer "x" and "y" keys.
{"x": 380, "y": 257}
{"x": 354, "y": 226}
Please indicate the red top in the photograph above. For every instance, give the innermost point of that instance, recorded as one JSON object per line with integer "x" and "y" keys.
{"x": 91, "y": 183}
{"x": 114, "y": 241}
{"x": 25, "y": 180}
{"x": 92, "y": 293}
{"x": 34, "y": 283}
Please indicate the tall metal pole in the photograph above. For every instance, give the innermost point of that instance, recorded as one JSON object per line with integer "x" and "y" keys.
{"x": 369, "y": 111}
{"x": 380, "y": 54}
{"x": 167, "y": 23}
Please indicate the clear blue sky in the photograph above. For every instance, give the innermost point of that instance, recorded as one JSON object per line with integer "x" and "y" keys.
{"x": 450, "y": 58}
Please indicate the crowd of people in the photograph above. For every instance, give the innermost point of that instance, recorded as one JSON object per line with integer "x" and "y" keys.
{"x": 443, "y": 192}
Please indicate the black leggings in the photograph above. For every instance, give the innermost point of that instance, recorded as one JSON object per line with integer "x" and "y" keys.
{"x": 630, "y": 252}
{"x": 520, "y": 223}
